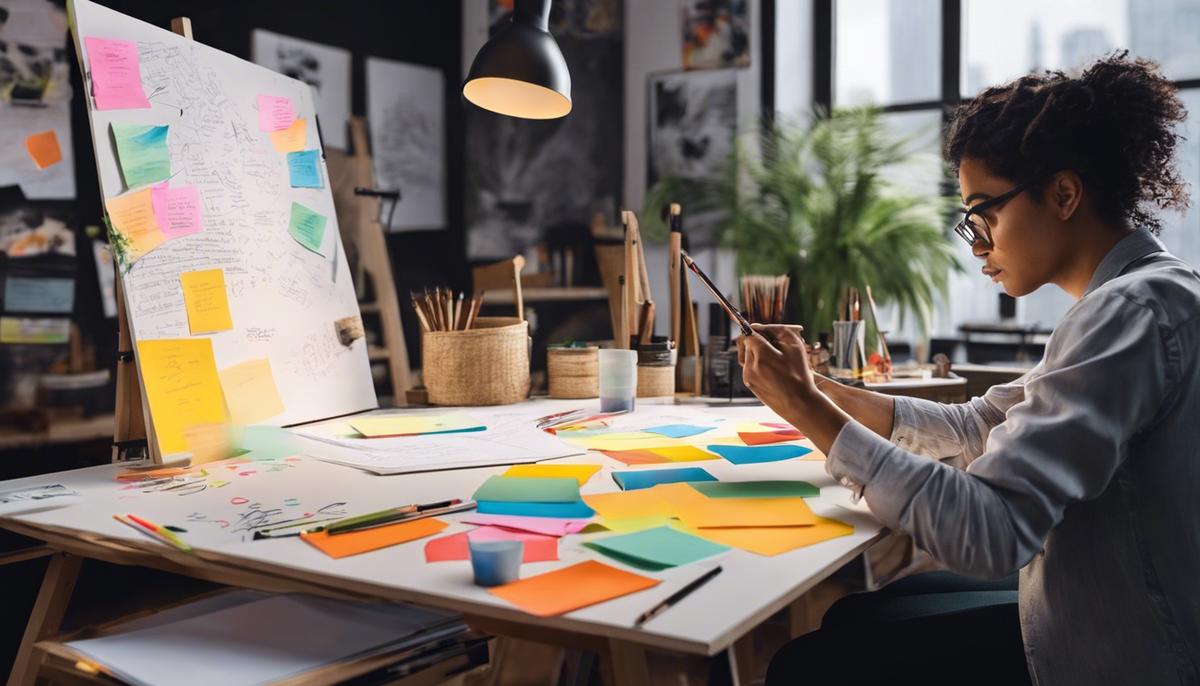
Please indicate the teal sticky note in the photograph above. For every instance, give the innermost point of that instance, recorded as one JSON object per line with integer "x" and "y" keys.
{"x": 575, "y": 510}
{"x": 513, "y": 489}
{"x": 753, "y": 454}
{"x": 758, "y": 489}
{"x": 678, "y": 430}
{"x": 36, "y": 294}
{"x": 656, "y": 549}
{"x": 142, "y": 153}
{"x": 635, "y": 479}
{"x": 261, "y": 442}
{"x": 307, "y": 227}
{"x": 304, "y": 169}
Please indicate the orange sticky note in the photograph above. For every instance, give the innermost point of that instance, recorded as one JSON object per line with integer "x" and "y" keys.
{"x": 132, "y": 216}
{"x": 664, "y": 500}
{"x": 366, "y": 540}
{"x": 745, "y": 512}
{"x": 43, "y": 148}
{"x": 578, "y": 586}
{"x": 206, "y": 301}
{"x": 291, "y": 139}
{"x": 635, "y": 456}
{"x": 774, "y": 540}
{"x": 250, "y": 391}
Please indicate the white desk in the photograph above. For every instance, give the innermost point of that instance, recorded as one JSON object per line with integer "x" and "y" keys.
{"x": 751, "y": 588}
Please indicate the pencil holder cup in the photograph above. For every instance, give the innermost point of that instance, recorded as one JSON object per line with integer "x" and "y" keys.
{"x": 485, "y": 365}
{"x": 849, "y": 345}
{"x": 618, "y": 380}
{"x": 496, "y": 563}
{"x": 573, "y": 372}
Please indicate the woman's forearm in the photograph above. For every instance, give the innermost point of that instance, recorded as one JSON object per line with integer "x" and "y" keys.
{"x": 873, "y": 410}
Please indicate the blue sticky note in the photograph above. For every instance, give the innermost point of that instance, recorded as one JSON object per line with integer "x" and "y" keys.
{"x": 33, "y": 294}
{"x": 575, "y": 510}
{"x": 678, "y": 430}
{"x": 752, "y": 454}
{"x": 634, "y": 480}
{"x": 304, "y": 169}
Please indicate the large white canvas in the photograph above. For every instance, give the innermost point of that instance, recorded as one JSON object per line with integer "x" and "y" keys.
{"x": 324, "y": 68}
{"x": 284, "y": 299}
{"x": 405, "y": 112}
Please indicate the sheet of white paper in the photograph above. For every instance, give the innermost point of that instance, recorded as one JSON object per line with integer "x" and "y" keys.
{"x": 324, "y": 68}
{"x": 408, "y": 134}
{"x": 256, "y": 642}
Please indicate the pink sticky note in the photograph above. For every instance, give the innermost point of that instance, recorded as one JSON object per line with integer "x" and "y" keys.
{"x": 454, "y": 547}
{"x": 116, "y": 74}
{"x": 176, "y": 209}
{"x": 547, "y": 526}
{"x": 275, "y": 113}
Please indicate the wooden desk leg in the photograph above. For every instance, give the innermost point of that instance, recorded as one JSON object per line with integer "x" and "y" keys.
{"x": 741, "y": 660}
{"x": 625, "y": 665}
{"x": 47, "y": 615}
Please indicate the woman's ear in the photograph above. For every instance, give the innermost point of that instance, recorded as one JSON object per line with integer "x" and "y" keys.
{"x": 1065, "y": 193}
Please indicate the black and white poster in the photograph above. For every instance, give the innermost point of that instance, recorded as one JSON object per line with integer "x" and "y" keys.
{"x": 324, "y": 68}
{"x": 406, "y": 116}
{"x": 525, "y": 176}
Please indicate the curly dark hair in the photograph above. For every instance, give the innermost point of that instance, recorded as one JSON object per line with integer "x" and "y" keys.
{"x": 1115, "y": 124}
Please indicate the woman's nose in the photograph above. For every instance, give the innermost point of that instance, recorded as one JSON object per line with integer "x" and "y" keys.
{"x": 980, "y": 248}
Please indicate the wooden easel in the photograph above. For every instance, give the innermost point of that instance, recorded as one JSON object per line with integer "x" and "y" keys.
{"x": 630, "y": 306}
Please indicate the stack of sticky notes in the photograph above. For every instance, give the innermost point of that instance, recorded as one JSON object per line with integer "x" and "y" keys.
{"x": 657, "y": 548}
{"x": 647, "y": 478}
{"x": 392, "y": 425}
{"x": 531, "y": 497}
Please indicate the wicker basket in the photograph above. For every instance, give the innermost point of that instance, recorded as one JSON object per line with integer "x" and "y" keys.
{"x": 574, "y": 372}
{"x": 654, "y": 381}
{"x": 486, "y": 365}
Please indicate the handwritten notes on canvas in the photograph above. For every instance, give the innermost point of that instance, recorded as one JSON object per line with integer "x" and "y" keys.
{"x": 307, "y": 227}
{"x": 182, "y": 388}
{"x": 250, "y": 391}
{"x": 206, "y": 301}
{"x": 177, "y": 210}
{"x": 116, "y": 74}
{"x": 142, "y": 153}
{"x": 275, "y": 113}
{"x": 132, "y": 216}
{"x": 43, "y": 149}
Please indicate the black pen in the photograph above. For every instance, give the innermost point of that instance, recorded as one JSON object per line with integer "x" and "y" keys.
{"x": 677, "y": 596}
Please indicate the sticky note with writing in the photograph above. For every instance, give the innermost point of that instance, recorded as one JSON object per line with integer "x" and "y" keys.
{"x": 275, "y": 113}
{"x": 292, "y": 138}
{"x": 182, "y": 388}
{"x": 132, "y": 216}
{"x": 304, "y": 169}
{"x": 206, "y": 302}
{"x": 177, "y": 210}
{"x": 307, "y": 227}
{"x": 142, "y": 153}
{"x": 116, "y": 74}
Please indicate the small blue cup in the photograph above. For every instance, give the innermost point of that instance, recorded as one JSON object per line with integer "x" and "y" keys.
{"x": 496, "y": 563}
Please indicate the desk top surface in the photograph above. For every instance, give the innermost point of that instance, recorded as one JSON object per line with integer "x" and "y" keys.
{"x": 751, "y": 588}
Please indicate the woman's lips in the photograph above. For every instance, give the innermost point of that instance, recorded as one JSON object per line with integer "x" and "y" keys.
{"x": 991, "y": 272}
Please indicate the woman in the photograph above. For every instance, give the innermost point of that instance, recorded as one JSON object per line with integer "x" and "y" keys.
{"x": 1084, "y": 474}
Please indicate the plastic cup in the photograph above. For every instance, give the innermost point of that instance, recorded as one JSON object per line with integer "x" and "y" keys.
{"x": 618, "y": 379}
{"x": 496, "y": 563}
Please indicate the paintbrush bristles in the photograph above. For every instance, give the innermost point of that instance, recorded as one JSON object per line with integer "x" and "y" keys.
{"x": 764, "y": 298}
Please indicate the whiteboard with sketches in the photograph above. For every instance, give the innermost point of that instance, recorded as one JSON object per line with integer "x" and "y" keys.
{"x": 283, "y": 298}
{"x": 405, "y": 104}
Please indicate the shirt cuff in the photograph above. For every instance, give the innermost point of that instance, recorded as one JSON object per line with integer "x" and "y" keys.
{"x": 854, "y": 456}
{"x": 905, "y": 421}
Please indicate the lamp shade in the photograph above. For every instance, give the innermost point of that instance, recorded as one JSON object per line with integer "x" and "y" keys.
{"x": 521, "y": 71}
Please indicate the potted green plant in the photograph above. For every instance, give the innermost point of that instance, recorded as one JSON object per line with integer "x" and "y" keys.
{"x": 814, "y": 200}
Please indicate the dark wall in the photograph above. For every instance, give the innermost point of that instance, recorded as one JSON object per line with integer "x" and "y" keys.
{"x": 420, "y": 32}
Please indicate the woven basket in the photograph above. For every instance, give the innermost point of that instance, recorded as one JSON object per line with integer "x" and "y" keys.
{"x": 574, "y": 372}
{"x": 655, "y": 381}
{"x": 486, "y": 365}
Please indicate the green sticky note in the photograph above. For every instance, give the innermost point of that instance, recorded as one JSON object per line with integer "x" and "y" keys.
{"x": 758, "y": 489}
{"x": 307, "y": 227}
{"x": 515, "y": 489}
{"x": 261, "y": 442}
{"x": 142, "y": 153}
{"x": 656, "y": 549}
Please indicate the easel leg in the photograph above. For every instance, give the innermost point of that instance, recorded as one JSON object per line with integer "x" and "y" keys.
{"x": 625, "y": 665}
{"x": 47, "y": 615}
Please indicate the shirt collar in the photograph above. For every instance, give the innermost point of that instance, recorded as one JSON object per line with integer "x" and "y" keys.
{"x": 1130, "y": 248}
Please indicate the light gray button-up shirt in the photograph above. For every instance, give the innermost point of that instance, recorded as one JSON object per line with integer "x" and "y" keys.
{"x": 1084, "y": 474}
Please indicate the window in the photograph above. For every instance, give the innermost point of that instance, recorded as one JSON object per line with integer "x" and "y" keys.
{"x": 888, "y": 52}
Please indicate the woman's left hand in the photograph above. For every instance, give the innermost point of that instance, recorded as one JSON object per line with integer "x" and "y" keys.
{"x": 775, "y": 368}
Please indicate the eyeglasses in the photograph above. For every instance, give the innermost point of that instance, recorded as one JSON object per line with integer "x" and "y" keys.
{"x": 974, "y": 226}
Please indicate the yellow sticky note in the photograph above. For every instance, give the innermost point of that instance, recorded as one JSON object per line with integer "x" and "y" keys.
{"x": 774, "y": 540}
{"x": 664, "y": 500}
{"x": 291, "y": 139}
{"x": 579, "y": 472}
{"x": 629, "y": 525}
{"x": 745, "y": 512}
{"x": 132, "y": 215}
{"x": 684, "y": 453}
{"x": 182, "y": 388}
{"x": 382, "y": 426}
{"x": 250, "y": 391}
{"x": 206, "y": 301}
{"x": 208, "y": 442}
